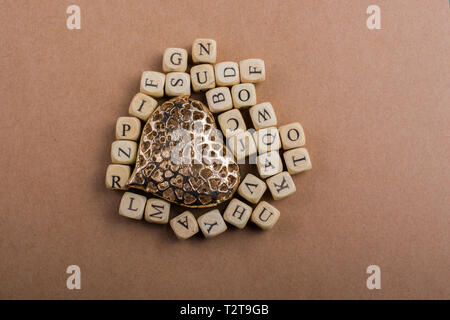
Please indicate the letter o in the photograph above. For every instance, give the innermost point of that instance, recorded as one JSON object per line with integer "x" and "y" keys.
{"x": 240, "y": 97}
{"x": 296, "y": 132}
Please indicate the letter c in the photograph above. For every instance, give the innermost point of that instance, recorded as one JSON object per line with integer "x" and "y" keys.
{"x": 235, "y": 121}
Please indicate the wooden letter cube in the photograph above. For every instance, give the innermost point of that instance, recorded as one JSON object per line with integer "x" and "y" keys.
{"x": 263, "y": 116}
{"x": 265, "y": 215}
{"x": 142, "y": 106}
{"x": 212, "y": 224}
{"x": 128, "y": 128}
{"x": 132, "y": 205}
{"x": 292, "y": 135}
{"x": 231, "y": 122}
{"x": 244, "y": 95}
{"x": 175, "y": 60}
{"x": 267, "y": 139}
{"x": 178, "y": 84}
{"x": 202, "y": 77}
{"x": 242, "y": 145}
{"x": 252, "y": 188}
{"x": 269, "y": 164}
{"x": 157, "y": 211}
{"x": 237, "y": 213}
{"x": 204, "y": 51}
{"x": 184, "y": 225}
{"x": 219, "y": 99}
{"x": 227, "y": 73}
{"x": 297, "y": 160}
{"x": 152, "y": 83}
{"x": 117, "y": 176}
{"x": 123, "y": 152}
{"x": 252, "y": 70}
{"x": 281, "y": 185}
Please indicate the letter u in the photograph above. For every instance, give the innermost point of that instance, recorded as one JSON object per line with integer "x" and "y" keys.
{"x": 198, "y": 77}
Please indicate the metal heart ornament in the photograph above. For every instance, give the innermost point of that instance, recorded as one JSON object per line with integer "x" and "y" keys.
{"x": 182, "y": 158}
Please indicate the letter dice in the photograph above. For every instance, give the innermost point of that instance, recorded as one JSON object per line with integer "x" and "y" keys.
{"x": 265, "y": 215}
{"x": 252, "y": 188}
{"x": 117, "y": 176}
{"x": 204, "y": 51}
{"x": 269, "y": 164}
{"x": 212, "y": 224}
{"x": 244, "y": 95}
{"x": 219, "y": 99}
{"x": 128, "y": 128}
{"x": 142, "y": 106}
{"x": 184, "y": 225}
{"x": 252, "y": 70}
{"x": 237, "y": 213}
{"x": 152, "y": 83}
{"x": 292, "y": 135}
{"x": 242, "y": 145}
{"x": 231, "y": 122}
{"x": 123, "y": 152}
{"x": 157, "y": 211}
{"x": 281, "y": 185}
{"x": 132, "y": 205}
{"x": 175, "y": 60}
{"x": 297, "y": 160}
{"x": 267, "y": 139}
{"x": 227, "y": 73}
{"x": 178, "y": 84}
{"x": 202, "y": 77}
{"x": 263, "y": 115}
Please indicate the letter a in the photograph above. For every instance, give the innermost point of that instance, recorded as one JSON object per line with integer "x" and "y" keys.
{"x": 374, "y": 281}
{"x": 74, "y": 281}
{"x": 374, "y": 20}
{"x": 74, "y": 20}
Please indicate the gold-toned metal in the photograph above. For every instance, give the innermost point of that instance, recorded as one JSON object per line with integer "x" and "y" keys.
{"x": 209, "y": 176}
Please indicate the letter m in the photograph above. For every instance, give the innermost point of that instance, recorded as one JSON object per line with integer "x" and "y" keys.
{"x": 158, "y": 213}
{"x": 263, "y": 114}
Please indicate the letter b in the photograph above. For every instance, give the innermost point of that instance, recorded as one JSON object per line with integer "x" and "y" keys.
{"x": 220, "y": 97}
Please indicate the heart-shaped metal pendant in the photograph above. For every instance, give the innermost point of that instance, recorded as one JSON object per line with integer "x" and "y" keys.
{"x": 182, "y": 158}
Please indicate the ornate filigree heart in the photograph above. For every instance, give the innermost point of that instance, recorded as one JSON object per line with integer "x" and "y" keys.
{"x": 182, "y": 157}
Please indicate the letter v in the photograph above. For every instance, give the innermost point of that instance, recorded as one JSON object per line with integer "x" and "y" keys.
{"x": 184, "y": 223}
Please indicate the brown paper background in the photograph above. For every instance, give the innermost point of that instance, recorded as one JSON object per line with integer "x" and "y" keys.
{"x": 374, "y": 105}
